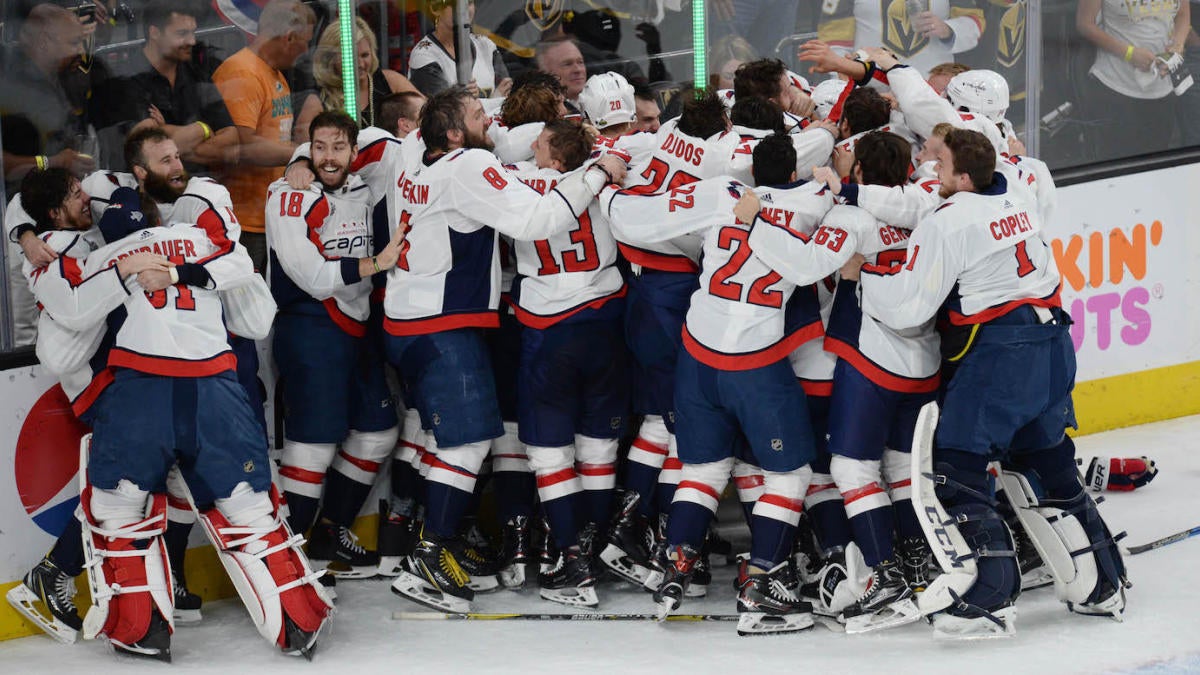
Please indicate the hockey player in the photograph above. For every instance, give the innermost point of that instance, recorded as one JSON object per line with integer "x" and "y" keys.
{"x": 608, "y": 103}
{"x": 733, "y": 379}
{"x": 882, "y": 379}
{"x": 175, "y": 392}
{"x": 442, "y": 292}
{"x": 573, "y": 395}
{"x": 983, "y": 241}
{"x": 334, "y": 391}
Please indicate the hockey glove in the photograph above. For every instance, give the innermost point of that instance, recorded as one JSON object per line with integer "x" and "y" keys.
{"x": 1119, "y": 474}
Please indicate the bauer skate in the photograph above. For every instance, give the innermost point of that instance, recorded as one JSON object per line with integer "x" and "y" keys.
{"x": 335, "y": 549}
{"x": 431, "y": 576}
{"x": 887, "y": 602}
{"x": 767, "y": 604}
{"x": 54, "y": 590}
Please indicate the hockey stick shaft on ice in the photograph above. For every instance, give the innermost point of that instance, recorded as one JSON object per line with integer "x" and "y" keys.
{"x": 1165, "y": 541}
{"x": 580, "y": 616}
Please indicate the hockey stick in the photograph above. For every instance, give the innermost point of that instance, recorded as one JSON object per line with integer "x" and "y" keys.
{"x": 580, "y": 616}
{"x": 1159, "y": 543}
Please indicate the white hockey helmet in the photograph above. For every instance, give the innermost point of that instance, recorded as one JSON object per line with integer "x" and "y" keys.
{"x": 826, "y": 94}
{"x": 607, "y": 99}
{"x": 983, "y": 92}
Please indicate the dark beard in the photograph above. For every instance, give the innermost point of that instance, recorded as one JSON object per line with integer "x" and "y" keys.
{"x": 483, "y": 142}
{"x": 161, "y": 190}
{"x": 342, "y": 178}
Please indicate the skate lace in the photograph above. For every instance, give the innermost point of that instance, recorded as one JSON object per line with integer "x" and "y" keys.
{"x": 64, "y": 590}
{"x": 350, "y": 540}
{"x": 452, "y": 569}
{"x": 781, "y": 591}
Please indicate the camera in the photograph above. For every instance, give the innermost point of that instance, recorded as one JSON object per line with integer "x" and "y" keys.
{"x": 86, "y": 11}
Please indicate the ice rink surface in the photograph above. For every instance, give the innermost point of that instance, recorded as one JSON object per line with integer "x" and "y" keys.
{"x": 1161, "y": 632}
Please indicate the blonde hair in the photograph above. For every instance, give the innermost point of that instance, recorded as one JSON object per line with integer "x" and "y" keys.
{"x": 327, "y": 61}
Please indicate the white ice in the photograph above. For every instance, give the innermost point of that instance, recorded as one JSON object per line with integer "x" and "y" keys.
{"x": 1161, "y": 632}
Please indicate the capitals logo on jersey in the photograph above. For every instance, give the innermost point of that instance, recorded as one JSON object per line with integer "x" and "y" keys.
{"x": 47, "y": 461}
{"x": 899, "y": 34}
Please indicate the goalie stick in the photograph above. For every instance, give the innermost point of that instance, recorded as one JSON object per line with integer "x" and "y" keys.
{"x": 1159, "y": 543}
{"x": 566, "y": 616}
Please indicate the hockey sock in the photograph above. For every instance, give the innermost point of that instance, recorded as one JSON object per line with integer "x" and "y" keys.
{"x": 668, "y": 478}
{"x": 688, "y": 523}
{"x": 748, "y": 479}
{"x": 696, "y": 501}
{"x": 830, "y": 524}
{"x": 559, "y": 489}
{"x": 302, "y": 511}
{"x": 176, "y": 538}
{"x": 770, "y": 541}
{"x": 406, "y": 487}
{"x": 907, "y": 525}
{"x": 67, "y": 553}
{"x": 596, "y": 465}
{"x": 646, "y": 457}
{"x": 867, "y": 505}
{"x": 344, "y": 498}
{"x": 513, "y": 481}
{"x": 776, "y": 515}
{"x": 873, "y": 533}
{"x": 353, "y": 472}
{"x": 450, "y": 485}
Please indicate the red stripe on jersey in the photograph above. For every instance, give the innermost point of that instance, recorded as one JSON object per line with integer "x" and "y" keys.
{"x": 437, "y": 324}
{"x": 178, "y": 502}
{"x": 71, "y": 271}
{"x": 653, "y": 260}
{"x": 348, "y": 324}
{"x": 858, "y": 493}
{"x": 643, "y": 444}
{"x": 816, "y": 387}
{"x": 672, "y": 464}
{"x": 368, "y": 155}
{"x": 556, "y": 477}
{"x": 835, "y": 114}
{"x": 884, "y": 378}
{"x": 543, "y": 321}
{"x": 364, "y": 464}
{"x": 882, "y": 270}
{"x": 596, "y": 469}
{"x": 701, "y": 487}
{"x": 302, "y": 475}
{"x": 782, "y": 502}
{"x": 314, "y": 219}
{"x": 751, "y": 360}
{"x": 748, "y": 482}
{"x": 88, "y": 396}
{"x": 414, "y": 446}
{"x": 1052, "y": 300}
{"x": 171, "y": 367}
{"x": 214, "y": 226}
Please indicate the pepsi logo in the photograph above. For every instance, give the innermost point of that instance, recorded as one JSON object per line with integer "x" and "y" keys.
{"x": 47, "y": 461}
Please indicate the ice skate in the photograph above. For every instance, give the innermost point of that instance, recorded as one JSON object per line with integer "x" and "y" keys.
{"x": 916, "y": 560}
{"x": 431, "y": 576}
{"x": 657, "y": 557}
{"x": 515, "y": 552}
{"x": 677, "y": 576}
{"x": 767, "y": 604}
{"x": 887, "y": 602}
{"x": 397, "y": 537}
{"x": 478, "y": 564}
{"x": 1111, "y": 603}
{"x": 335, "y": 548}
{"x": 974, "y": 624}
{"x": 570, "y": 581}
{"x": 1035, "y": 573}
{"x": 187, "y": 603}
{"x": 54, "y": 590}
{"x": 155, "y": 644}
{"x": 626, "y": 554}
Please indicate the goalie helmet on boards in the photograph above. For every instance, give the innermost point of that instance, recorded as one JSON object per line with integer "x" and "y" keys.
{"x": 607, "y": 100}
{"x": 983, "y": 92}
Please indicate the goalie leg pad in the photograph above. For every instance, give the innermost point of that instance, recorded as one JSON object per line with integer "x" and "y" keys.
{"x": 268, "y": 568}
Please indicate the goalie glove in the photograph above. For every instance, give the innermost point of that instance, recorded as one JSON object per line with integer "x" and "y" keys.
{"x": 1120, "y": 474}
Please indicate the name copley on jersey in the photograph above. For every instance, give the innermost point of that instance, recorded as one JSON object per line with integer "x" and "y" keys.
{"x": 1100, "y": 261}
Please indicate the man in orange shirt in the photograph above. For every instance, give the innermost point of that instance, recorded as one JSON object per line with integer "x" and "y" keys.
{"x": 260, "y": 103}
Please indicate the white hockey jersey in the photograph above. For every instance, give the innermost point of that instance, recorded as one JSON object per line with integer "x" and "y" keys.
{"x": 813, "y": 147}
{"x": 570, "y": 276}
{"x": 448, "y": 275}
{"x": 635, "y": 147}
{"x": 178, "y": 331}
{"x": 900, "y": 360}
{"x": 427, "y": 51}
{"x": 316, "y": 238}
{"x": 981, "y": 252}
{"x": 514, "y": 144}
{"x": 744, "y": 314}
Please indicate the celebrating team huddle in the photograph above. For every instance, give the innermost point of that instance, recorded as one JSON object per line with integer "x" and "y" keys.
{"x": 839, "y": 297}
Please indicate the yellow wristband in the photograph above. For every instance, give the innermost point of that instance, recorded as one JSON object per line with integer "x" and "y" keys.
{"x": 1129, "y": 53}
{"x": 41, "y": 161}
{"x": 375, "y": 264}
{"x": 174, "y": 273}
{"x": 206, "y": 129}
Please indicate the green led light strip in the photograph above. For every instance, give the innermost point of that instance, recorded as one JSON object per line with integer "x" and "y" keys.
{"x": 699, "y": 66}
{"x": 349, "y": 82}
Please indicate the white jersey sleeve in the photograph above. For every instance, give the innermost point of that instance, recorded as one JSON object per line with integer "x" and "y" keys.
{"x": 74, "y": 300}
{"x": 804, "y": 259}
{"x": 294, "y": 221}
{"x": 924, "y": 109}
{"x": 514, "y": 144}
{"x": 901, "y": 205}
{"x": 14, "y": 217}
{"x": 651, "y": 218}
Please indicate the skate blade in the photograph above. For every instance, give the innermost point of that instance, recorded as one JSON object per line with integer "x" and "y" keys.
{"x": 695, "y": 590}
{"x": 624, "y": 566}
{"x": 513, "y": 577}
{"x": 664, "y": 608}
{"x": 946, "y": 627}
{"x": 419, "y": 591}
{"x": 894, "y": 615}
{"x": 140, "y": 652}
{"x": 1036, "y": 578}
{"x": 341, "y": 570}
{"x": 578, "y": 596}
{"x": 389, "y": 565}
{"x": 26, "y": 602}
{"x": 296, "y": 636}
{"x": 829, "y": 622}
{"x": 187, "y": 615}
{"x": 484, "y": 584}
{"x": 759, "y": 623}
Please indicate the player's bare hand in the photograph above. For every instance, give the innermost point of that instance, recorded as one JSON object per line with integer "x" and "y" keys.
{"x": 37, "y": 252}
{"x": 853, "y": 267}
{"x": 1015, "y": 146}
{"x": 473, "y": 87}
{"x": 843, "y": 161}
{"x": 299, "y": 175}
{"x": 747, "y": 207}
{"x": 883, "y": 58}
{"x": 823, "y": 58}
{"x": 74, "y": 161}
{"x": 932, "y": 26}
{"x": 802, "y": 103}
{"x": 154, "y": 279}
{"x": 504, "y": 87}
{"x": 387, "y": 258}
{"x": 141, "y": 262}
{"x": 826, "y": 175}
{"x": 1142, "y": 59}
{"x": 823, "y": 124}
{"x": 614, "y": 165}
{"x": 724, "y": 9}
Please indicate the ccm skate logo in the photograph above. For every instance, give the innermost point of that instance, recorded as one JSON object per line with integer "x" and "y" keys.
{"x": 943, "y": 537}
{"x": 682, "y": 149}
{"x": 1007, "y": 227}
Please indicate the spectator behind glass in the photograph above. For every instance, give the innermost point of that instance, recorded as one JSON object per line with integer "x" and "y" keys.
{"x": 160, "y": 87}
{"x": 432, "y": 66}
{"x": 42, "y": 125}
{"x": 400, "y": 114}
{"x": 648, "y": 110}
{"x": 727, "y": 55}
{"x": 761, "y": 23}
{"x": 921, "y": 39}
{"x": 562, "y": 59}
{"x": 260, "y": 104}
{"x": 1128, "y": 92}
{"x": 598, "y": 36}
{"x": 374, "y": 83}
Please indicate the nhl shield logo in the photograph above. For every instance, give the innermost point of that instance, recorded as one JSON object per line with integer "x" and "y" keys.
{"x": 777, "y": 444}
{"x": 543, "y": 14}
{"x": 248, "y": 466}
